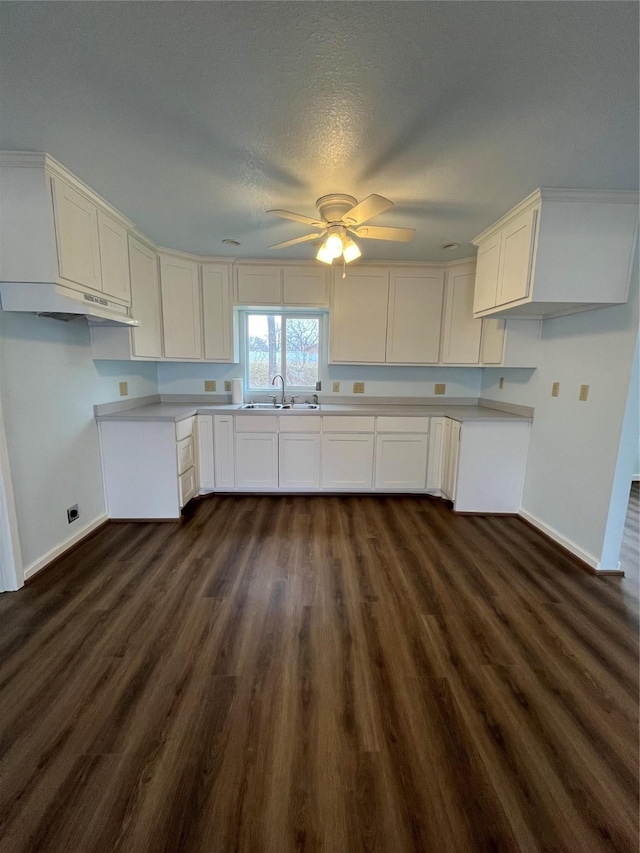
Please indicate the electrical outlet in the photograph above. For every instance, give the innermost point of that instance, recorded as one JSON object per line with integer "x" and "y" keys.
{"x": 209, "y": 384}
{"x": 501, "y": 382}
{"x": 358, "y": 387}
{"x": 227, "y": 385}
{"x": 336, "y": 387}
{"x": 73, "y": 513}
{"x": 584, "y": 393}
{"x": 124, "y": 389}
{"x": 555, "y": 389}
{"x": 440, "y": 388}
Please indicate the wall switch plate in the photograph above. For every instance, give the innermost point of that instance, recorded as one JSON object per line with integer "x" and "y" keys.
{"x": 584, "y": 393}
{"x": 501, "y": 382}
{"x": 318, "y": 386}
{"x": 209, "y": 384}
{"x": 555, "y": 389}
{"x": 73, "y": 513}
{"x": 336, "y": 387}
{"x": 358, "y": 387}
{"x": 227, "y": 385}
{"x": 440, "y": 388}
{"x": 124, "y": 389}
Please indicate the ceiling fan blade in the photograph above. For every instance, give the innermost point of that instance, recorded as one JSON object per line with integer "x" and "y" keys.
{"x": 373, "y": 232}
{"x": 369, "y": 207}
{"x": 297, "y": 240}
{"x": 298, "y": 217}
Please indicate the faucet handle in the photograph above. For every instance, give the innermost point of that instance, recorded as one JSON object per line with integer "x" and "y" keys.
{"x": 294, "y": 397}
{"x": 273, "y": 398}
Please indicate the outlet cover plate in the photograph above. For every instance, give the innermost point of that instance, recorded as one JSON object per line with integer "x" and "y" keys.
{"x": 336, "y": 387}
{"x": 124, "y": 389}
{"x": 584, "y": 393}
{"x": 209, "y": 384}
{"x": 358, "y": 387}
{"x": 440, "y": 388}
{"x": 227, "y": 385}
{"x": 555, "y": 389}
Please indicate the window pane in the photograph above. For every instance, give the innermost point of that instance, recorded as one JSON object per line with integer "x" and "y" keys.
{"x": 303, "y": 343}
{"x": 263, "y": 348}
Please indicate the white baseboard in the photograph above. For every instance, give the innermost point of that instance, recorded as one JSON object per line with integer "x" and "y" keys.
{"x": 51, "y": 555}
{"x": 589, "y": 559}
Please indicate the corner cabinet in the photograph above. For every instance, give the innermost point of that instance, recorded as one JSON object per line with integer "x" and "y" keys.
{"x": 557, "y": 252}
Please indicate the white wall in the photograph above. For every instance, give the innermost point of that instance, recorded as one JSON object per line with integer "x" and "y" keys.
{"x": 574, "y": 445}
{"x": 49, "y": 385}
{"x": 181, "y": 378}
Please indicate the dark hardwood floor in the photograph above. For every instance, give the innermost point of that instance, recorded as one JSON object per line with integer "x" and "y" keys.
{"x": 319, "y": 673}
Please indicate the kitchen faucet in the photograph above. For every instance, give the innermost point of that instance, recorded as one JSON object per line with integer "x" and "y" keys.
{"x": 273, "y": 382}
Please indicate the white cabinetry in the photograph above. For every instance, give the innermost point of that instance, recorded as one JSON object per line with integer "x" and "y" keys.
{"x": 181, "y": 319}
{"x": 414, "y": 313}
{"x": 299, "y": 452}
{"x": 256, "y": 452}
{"x": 450, "y": 448}
{"x": 143, "y": 341}
{"x": 401, "y": 454}
{"x": 435, "y": 464}
{"x": 148, "y": 467}
{"x": 77, "y": 241}
{"x": 204, "y": 432}
{"x": 347, "y": 453}
{"x": 557, "y": 252}
{"x": 114, "y": 257}
{"x": 224, "y": 452}
{"x": 217, "y": 313}
{"x": 359, "y": 316}
{"x": 259, "y": 284}
{"x": 461, "y": 333}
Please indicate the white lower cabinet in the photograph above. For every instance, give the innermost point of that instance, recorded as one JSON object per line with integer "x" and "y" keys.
{"x": 206, "y": 471}
{"x": 435, "y": 464}
{"x": 401, "y": 462}
{"x": 450, "y": 458}
{"x": 347, "y": 461}
{"x": 148, "y": 467}
{"x": 256, "y": 460}
{"x": 299, "y": 461}
{"x": 224, "y": 452}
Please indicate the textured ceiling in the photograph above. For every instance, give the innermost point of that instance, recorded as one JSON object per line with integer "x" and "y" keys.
{"x": 193, "y": 118}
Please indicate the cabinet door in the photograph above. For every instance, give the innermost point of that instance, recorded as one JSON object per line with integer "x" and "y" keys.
{"x": 487, "y": 267}
{"x": 347, "y": 461}
{"x": 451, "y": 449}
{"x": 516, "y": 258}
{"x": 401, "y": 462}
{"x": 256, "y": 460}
{"x": 76, "y": 224}
{"x": 415, "y": 316}
{"x": 461, "y": 333}
{"x": 114, "y": 258}
{"x": 492, "y": 341}
{"x": 259, "y": 285}
{"x": 180, "y": 308}
{"x": 436, "y": 454}
{"x": 205, "y": 452}
{"x": 223, "y": 452}
{"x": 217, "y": 313}
{"x": 145, "y": 300}
{"x": 359, "y": 316}
{"x": 299, "y": 464}
{"x": 306, "y": 286}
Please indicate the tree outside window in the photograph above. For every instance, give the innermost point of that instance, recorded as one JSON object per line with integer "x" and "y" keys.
{"x": 278, "y": 343}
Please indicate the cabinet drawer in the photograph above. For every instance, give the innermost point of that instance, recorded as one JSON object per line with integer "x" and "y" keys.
{"x": 334, "y": 423}
{"x": 259, "y": 423}
{"x": 186, "y": 454}
{"x": 187, "y": 486}
{"x": 184, "y": 428}
{"x": 299, "y": 423}
{"x": 415, "y": 425}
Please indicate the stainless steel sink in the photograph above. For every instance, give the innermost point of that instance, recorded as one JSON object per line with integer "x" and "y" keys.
{"x": 262, "y": 406}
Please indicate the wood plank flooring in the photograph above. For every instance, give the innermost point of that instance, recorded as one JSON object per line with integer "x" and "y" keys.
{"x": 319, "y": 673}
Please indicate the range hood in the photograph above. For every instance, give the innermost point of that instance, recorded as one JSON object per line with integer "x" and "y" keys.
{"x": 63, "y": 303}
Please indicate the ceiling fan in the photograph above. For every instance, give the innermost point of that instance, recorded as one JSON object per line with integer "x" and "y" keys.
{"x": 340, "y": 216}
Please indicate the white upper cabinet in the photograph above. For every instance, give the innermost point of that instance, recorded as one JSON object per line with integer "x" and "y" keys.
{"x": 461, "y": 333}
{"x": 557, "y": 252}
{"x": 217, "y": 313}
{"x": 414, "y": 316}
{"x": 492, "y": 346}
{"x": 146, "y": 339}
{"x": 278, "y": 285}
{"x": 114, "y": 257}
{"x": 76, "y": 226}
{"x": 359, "y": 316}
{"x": 181, "y": 319}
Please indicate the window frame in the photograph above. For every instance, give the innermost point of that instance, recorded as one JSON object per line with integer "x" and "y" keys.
{"x": 284, "y": 314}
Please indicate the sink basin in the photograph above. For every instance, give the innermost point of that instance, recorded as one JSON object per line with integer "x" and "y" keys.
{"x": 262, "y": 406}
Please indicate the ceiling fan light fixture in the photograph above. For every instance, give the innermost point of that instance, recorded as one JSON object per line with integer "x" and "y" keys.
{"x": 351, "y": 251}
{"x": 323, "y": 255}
{"x": 333, "y": 244}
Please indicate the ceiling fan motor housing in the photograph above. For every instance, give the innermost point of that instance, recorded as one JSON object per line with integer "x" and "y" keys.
{"x": 333, "y": 207}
